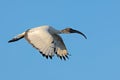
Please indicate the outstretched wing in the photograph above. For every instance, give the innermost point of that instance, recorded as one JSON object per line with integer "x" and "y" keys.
{"x": 61, "y": 50}
{"x": 41, "y": 40}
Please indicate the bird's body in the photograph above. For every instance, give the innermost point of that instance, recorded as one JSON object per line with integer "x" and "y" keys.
{"x": 46, "y": 39}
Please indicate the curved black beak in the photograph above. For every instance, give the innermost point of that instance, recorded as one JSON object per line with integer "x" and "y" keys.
{"x": 75, "y": 31}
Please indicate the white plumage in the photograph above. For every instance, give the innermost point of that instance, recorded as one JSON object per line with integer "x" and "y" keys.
{"x": 46, "y": 39}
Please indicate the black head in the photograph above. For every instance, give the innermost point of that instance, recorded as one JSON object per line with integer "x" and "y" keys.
{"x": 70, "y": 30}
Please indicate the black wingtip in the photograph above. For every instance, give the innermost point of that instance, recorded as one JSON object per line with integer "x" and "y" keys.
{"x": 50, "y": 57}
{"x": 63, "y": 57}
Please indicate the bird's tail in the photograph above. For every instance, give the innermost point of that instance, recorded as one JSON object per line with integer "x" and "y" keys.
{"x": 18, "y": 37}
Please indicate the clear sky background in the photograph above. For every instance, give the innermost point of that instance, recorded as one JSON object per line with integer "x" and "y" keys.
{"x": 97, "y": 58}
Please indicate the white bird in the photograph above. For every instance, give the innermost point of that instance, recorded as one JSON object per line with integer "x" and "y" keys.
{"x": 47, "y": 40}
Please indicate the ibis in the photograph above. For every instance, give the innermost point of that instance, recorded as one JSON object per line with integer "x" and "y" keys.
{"x": 47, "y": 40}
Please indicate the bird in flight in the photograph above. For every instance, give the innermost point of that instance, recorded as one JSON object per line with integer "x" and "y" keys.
{"x": 47, "y": 40}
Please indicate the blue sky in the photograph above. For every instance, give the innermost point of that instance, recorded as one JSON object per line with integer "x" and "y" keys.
{"x": 96, "y": 58}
